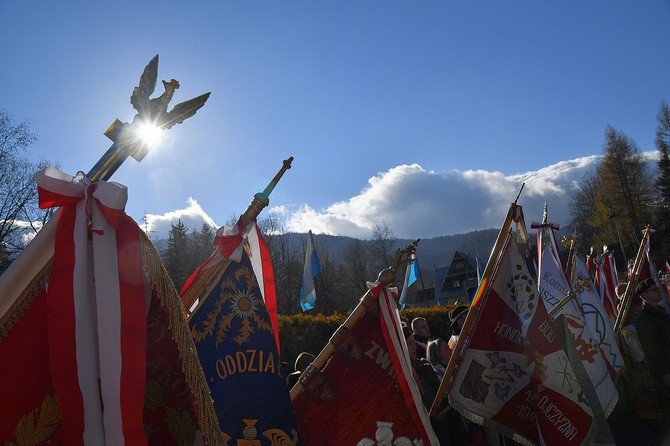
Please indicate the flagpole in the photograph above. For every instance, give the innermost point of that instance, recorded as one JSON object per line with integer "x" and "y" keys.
{"x": 258, "y": 203}
{"x": 386, "y": 278}
{"x": 125, "y": 143}
{"x": 570, "y": 294}
{"x": 262, "y": 199}
{"x": 622, "y": 317}
{"x": 569, "y": 264}
{"x": 477, "y": 303}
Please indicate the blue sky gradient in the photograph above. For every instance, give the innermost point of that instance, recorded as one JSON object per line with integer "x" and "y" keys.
{"x": 390, "y": 108}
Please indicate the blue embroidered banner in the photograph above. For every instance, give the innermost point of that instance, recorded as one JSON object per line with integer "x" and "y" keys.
{"x": 238, "y": 353}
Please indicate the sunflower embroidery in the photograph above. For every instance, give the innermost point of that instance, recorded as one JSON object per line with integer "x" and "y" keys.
{"x": 238, "y": 309}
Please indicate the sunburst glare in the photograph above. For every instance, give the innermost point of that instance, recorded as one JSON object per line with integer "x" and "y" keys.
{"x": 150, "y": 134}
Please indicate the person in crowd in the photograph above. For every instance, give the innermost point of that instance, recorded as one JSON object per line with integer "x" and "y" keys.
{"x": 303, "y": 361}
{"x": 421, "y": 332}
{"x": 428, "y": 380}
{"x": 653, "y": 330}
{"x": 664, "y": 277}
{"x": 456, "y": 320}
{"x": 438, "y": 354}
{"x": 450, "y": 428}
{"x": 636, "y": 415}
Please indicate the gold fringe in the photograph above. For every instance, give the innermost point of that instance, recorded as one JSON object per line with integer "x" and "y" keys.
{"x": 25, "y": 299}
{"x": 181, "y": 334}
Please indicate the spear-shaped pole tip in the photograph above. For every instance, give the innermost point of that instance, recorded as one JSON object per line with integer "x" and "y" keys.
{"x": 262, "y": 199}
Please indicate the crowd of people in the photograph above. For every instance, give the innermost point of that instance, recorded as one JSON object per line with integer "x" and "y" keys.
{"x": 430, "y": 357}
{"x": 642, "y": 413}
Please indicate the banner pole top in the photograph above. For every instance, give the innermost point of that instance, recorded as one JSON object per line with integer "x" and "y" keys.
{"x": 402, "y": 258}
{"x": 262, "y": 199}
{"x": 128, "y": 138}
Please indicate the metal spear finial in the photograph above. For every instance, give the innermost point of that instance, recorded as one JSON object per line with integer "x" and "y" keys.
{"x": 262, "y": 199}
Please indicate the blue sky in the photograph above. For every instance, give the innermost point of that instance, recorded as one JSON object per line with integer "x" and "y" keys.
{"x": 425, "y": 116}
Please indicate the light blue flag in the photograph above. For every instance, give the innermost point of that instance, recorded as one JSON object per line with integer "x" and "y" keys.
{"x": 411, "y": 274}
{"x": 414, "y": 272}
{"x": 311, "y": 270}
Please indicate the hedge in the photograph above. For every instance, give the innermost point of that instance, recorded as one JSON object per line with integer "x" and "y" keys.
{"x": 310, "y": 333}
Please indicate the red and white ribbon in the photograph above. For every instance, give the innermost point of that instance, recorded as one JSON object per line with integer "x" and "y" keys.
{"x": 96, "y": 312}
{"x": 229, "y": 242}
{"x": 389, "y": 319}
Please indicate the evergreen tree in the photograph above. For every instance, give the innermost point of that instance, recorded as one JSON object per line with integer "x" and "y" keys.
{"x": 661, "y": 238}
{"x": 625, "y": 189}
{"x": 287, "y": 264}
{"x": 328, "y": 284}
{"x": 355, "y": 273}
{"x": 176, "y": 253}
{"x": 200, "y": 246}
{"x": 582, "y": 208}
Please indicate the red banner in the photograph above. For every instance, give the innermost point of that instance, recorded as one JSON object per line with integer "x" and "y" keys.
{"x": 366, "y": 391}
{"x": 68, "y": 353}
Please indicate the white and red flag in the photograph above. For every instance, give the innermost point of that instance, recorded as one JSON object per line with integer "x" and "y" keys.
{"x": 596, "y": 317}
{"x": 90, "y": 345}
{"x": 367, "y": 393}
{"x": 514, "y": 375}
{"x": 608, "y": 279}
{"x": 558, "y": 296}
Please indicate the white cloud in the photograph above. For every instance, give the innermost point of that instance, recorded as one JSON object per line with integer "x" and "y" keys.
{"x": 25, "y": 232}
{"x": 193, "y": 216}
{"x": 420, "y": 203}
{"x": 416, "y": 202}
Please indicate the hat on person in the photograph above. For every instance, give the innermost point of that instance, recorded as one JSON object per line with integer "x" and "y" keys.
{"x": 645, "y": 285}
{"x": 456, "y": 313}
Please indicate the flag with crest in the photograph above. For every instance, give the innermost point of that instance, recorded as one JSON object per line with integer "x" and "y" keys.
{"x": 367, "y": 393}
{"x": 513, "y": 375}
{"x": 605, "y": 279}
{"x": 236, "y": 340}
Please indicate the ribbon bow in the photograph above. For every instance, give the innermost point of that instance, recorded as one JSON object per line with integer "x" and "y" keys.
{"x": 229, "y": 240}
{"x": 57, "y": 189}
{"x": 95, "y": 311}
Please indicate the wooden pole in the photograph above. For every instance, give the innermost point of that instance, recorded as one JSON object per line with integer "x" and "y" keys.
{"x": 386, "y": 278}
{"x": 473, "y": 315}
{"x": 622, "y": 317}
